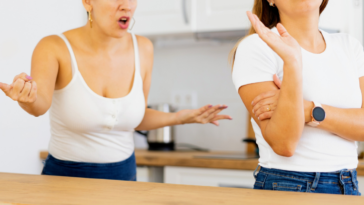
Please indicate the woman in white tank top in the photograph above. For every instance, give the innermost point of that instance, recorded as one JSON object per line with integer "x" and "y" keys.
{"x": 95, "y": 82}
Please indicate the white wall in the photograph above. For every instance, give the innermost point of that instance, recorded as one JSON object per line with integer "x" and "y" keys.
{"x": 201, "y": 67}
{"x": 22, "y": 24}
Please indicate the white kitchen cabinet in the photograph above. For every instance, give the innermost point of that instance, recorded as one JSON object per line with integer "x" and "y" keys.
{"x": 150, "y": 174}
{"x": 162, "y": 17}
{"x": 218, "y": 15}
{"x": 209, "y": 177}
{"x": 361, "y": 185}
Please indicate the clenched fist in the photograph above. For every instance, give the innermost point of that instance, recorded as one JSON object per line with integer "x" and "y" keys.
{"x": 22, "y": 90}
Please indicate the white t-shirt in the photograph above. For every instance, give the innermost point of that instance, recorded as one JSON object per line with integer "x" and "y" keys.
{"x": 330, "y": 78}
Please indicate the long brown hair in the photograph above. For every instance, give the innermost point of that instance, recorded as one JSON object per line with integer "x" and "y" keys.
{"x": 269, "y": 16}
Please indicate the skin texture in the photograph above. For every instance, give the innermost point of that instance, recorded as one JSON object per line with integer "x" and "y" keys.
{"x": 105, "y": 57}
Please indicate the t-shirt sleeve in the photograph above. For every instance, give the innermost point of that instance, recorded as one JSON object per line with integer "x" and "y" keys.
{"x": 254, "y": 62}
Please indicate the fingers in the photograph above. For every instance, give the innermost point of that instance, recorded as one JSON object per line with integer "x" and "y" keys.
{"x": 24, "y": 95}
{"x": 5, "y": 88}
{"x": 22, "y": 76}
{"x": 18, "y": 87}
{"x": 263, "y": 96}
{"x": 221, "y": 117}
{"x": 33, "y": 92}
{"x": 210, "y": 113}
{"x": 263, "y": 109}
{"x": 204, "y": 109}
{"x": 206, "y": 115}
{"x": 216, "y": 123}
{"x": 277, "y": 81}
{"x": 282, "y": 31}
{"x": 265, "y": 116}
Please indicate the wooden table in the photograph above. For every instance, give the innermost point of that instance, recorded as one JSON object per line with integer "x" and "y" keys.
{"x": 189, "y": 159}
{"x": 50, "y": 190}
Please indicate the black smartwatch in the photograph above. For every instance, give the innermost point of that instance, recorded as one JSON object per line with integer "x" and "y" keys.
{"x": 318, "y": 115}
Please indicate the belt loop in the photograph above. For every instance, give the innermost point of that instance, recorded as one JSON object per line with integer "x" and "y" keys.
{"x": 341, "y": 180}
{"x": 315, "y": 181}
{"x": 353, "y": 179}
{"x": 255, "y": 171}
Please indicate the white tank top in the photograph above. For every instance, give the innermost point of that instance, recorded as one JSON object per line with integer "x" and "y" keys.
{"x": 86, "y": 127}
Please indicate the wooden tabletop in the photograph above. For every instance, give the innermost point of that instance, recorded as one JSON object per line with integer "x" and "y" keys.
{"x": 191, "y": 159}
{"x": 50, "y": 190}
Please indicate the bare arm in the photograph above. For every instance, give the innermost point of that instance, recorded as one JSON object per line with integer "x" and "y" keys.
{"x": 34, "y": 94}
{"x": 155, "y": 119}
{"x": 346, "y": 123}
{"x": 283, "y": 130}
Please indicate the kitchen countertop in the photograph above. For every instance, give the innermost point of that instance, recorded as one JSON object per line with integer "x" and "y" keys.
{"x": 192, "y": 159}
{"x": 18, "y": 189}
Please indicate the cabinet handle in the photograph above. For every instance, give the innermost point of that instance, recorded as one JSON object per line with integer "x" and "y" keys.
{"x": 184, "y": 11}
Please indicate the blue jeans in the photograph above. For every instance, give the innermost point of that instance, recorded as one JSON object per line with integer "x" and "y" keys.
{"x": 124, "y": 170}
{"x": 340, "y": 182}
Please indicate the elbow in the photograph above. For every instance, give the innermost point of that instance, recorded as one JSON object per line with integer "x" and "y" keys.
{"x": 37, "y": 114}
{"x": 286, "y": 149}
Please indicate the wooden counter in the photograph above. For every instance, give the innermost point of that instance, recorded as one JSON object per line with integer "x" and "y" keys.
{"x": 50, "y": 190}
{"x": 188, "y": 159}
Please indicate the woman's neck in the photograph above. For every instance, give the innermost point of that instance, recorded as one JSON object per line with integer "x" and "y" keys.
{"x": 305, "y": 30}
{"x": 99, "y": 41}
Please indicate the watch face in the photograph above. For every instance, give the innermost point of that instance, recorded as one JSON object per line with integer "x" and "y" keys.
{"x": 319, "y": 114}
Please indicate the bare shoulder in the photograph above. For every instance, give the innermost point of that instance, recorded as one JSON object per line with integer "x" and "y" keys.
{"x": 145, "y": 45}
{"x": 146, "y": 50}
{"x": 50, "y": 45}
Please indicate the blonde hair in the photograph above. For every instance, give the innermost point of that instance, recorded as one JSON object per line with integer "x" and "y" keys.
{"x": 269, "y": 16}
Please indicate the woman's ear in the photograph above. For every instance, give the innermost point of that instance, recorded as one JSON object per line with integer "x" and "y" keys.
{"x": 87, "y": 5}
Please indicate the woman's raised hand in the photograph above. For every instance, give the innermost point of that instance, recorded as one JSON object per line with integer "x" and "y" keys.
{"x": 23, "y": 89}
{"x": 283, "y": 44}
{"x": 204, "y": 115}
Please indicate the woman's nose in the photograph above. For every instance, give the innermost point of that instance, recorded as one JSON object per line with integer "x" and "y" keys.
{"x": 126, "y": 5}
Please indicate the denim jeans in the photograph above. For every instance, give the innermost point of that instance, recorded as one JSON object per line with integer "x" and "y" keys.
{"x": 124, "y": 170}
{"x": 341, "y": 182}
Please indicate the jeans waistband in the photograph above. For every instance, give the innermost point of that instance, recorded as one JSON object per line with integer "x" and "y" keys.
{"x": 72, "y": 163}
{"x": 314, "y": 177}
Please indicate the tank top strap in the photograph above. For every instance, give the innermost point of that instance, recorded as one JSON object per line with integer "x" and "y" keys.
{"x": 73, "y": 58}
{"x": 136, "y": 53}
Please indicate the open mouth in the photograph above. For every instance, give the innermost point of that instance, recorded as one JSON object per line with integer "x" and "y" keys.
{"x": 124, "y": 21}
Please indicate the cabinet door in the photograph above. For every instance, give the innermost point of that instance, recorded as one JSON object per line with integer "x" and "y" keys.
{"x": 162, "y": 17}
{"x": 209, "y": 177}
{"x": 218, "y": 15}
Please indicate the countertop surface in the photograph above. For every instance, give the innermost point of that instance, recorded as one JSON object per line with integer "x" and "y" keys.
{"x": 50, "y": 190}
{"x": 193, "y": 159}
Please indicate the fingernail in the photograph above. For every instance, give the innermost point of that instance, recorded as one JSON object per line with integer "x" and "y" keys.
{"x": 252, "y": 102}
{"x": 231, "y": 118}
{"x": 29, "y": 77}
{"x": 258, "y": 118}
{"x": 253, "y": 111}
{"x": 210, "y": 106}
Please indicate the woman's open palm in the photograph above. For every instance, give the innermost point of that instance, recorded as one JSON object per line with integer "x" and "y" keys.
{"x": 283, "y": 44}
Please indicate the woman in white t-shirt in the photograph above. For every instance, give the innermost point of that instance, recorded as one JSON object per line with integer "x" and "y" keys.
{"x": 307, "y": 125}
